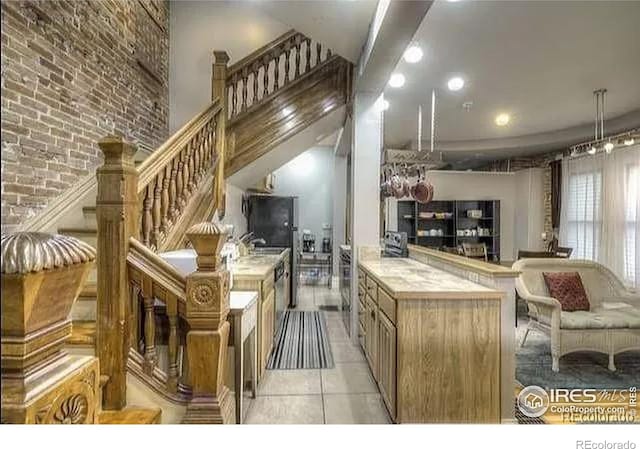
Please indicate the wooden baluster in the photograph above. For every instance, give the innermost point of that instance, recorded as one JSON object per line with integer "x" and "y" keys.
{"x": 245, "y": 79}
{"x": 173, "y": 191}
{"x": 197, "y": 173}
{"x": 150, "y": 356}
{"x": 179, "y": 186}
{"x": 192, "y": 166}
{"x": 265, "y": 75}
{"x": 287, "y": 57}
{"x": 256, "y": 71}
{"x": 298, "y": 67}
{"x": 276, "y": 71}
{"x": 185, "y": 176}
{"x": 308, "y": 63}
{"x": 147, "y": 223}
{"x": 172, "y": 314}
{"x": 157, "y": 210}
{"x": 164, "y": 209}
{"x": 234, "y": 95}
{"x": 328, "y": 53}
{"x": 318, "y": 53}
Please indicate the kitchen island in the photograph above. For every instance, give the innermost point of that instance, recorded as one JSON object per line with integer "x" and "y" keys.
{"x": 432, "y": 340}
{"x": 255, "y": 272}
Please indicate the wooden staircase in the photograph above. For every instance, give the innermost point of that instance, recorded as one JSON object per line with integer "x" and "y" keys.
{"x": 147, "y": 207}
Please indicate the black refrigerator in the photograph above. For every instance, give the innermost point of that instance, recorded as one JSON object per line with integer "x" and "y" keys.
{"x": 275, "y": 219}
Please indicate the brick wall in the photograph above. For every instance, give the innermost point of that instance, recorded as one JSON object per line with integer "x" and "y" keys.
{"x": 72, "y": 73}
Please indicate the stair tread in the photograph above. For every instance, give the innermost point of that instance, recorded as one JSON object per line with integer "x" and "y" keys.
{"x": 89, "y": 291}
{"x": 131, "y": 415}
{"x": 83, "y": 333}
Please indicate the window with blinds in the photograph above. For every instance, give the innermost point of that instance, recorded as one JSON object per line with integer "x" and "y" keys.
{"x": 584, "y": 216}
{"x": 631, "y": 218}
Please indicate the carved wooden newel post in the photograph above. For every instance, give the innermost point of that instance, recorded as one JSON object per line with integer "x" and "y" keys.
{"x": 42, "y": 275}
{"x": 117, "y": 216}
{"x": 219, "y": 90}
{"x": 206, "y": 313}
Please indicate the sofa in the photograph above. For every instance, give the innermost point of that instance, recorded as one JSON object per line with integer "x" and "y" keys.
{"x": 610, "y": 326}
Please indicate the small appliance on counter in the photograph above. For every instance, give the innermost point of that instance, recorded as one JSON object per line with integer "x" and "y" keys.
{"x": 395, "y": 244}
{"x": 326, "y": 245}
{"x": 308, "y": 242}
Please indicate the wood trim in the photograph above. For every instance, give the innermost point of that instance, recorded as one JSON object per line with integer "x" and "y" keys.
{"x": 476, "y": 266}
{"x": 157, "y": 381}
{"x": 251, "y": 57}
{"x": 168, "y": 150}
{"x": 61, "y": 205}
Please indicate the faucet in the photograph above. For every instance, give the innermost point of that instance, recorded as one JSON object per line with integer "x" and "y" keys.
{"x": 252, "y": 243}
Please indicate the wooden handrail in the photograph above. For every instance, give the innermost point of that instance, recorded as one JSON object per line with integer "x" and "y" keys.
{"x": 148, "y": 262}
{"x": 264, "y": 50}
{"x": 152, "y": 165}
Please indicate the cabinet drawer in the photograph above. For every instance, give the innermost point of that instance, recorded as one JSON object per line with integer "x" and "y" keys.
{"x": 372, "y": 289}
{"x": 387, "y": 305}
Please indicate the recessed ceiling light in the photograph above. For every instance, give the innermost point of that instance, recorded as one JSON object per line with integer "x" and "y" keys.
{"x": 413, "y": 54}
{"x": 629, "y": 142}
{"x": 502, "y": 119}
{"x": 608, "y": 147}
{"x": 396, "y": 80}
{"x": 455, "y": 83}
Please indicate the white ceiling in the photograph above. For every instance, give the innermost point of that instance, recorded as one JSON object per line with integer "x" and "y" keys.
{"x": 340, "y": 25}
{"x": 538, "y": 61}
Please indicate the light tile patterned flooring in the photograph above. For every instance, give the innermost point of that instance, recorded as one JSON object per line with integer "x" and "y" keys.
{"x": 346, "y": 394}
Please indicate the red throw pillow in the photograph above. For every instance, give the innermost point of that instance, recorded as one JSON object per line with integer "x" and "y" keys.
{"x": 568, "y": 289}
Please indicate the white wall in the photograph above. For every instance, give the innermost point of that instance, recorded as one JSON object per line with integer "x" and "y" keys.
{"x": 233, "y": 212}
{"x": 309, "y": 176}
{"x": 456, "y": 185}
{"x": 196, "y": 29}
{"x": 529, "y": 219}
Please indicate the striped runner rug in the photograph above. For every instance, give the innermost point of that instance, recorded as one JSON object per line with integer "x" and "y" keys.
{"x": 301, "y": 342}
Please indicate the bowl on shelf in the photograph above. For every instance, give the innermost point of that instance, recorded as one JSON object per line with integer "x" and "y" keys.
{"x": 426, "y": 214}
{"x": 474, "y": 213}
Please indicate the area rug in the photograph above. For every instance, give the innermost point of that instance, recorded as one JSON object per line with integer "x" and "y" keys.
{"x": 577, "y": 370}
{"x": 301, "y": 342}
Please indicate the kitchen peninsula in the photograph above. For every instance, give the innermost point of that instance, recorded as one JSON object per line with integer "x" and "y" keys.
{"x": 433, "y": 337}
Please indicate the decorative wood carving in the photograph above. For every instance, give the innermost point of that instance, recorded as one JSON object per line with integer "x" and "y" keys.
{"x": 42, "y": 275}
{"x": 207, "y": 307}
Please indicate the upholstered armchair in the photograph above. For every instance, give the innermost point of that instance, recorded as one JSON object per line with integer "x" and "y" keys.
{"x": 611, "y": 326}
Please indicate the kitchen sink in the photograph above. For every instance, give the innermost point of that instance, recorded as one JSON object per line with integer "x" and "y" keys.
{"x": 265, "y": 251}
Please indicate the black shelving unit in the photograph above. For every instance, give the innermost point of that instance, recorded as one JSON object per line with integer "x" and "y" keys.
{"x": 442, "y": 232}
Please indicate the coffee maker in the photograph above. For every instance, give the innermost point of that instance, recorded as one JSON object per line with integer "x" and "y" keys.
{"x": 308, "y": 243}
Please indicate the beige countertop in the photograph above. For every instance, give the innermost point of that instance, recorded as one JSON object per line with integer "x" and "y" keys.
{"x": 406, "y": 278}
{"x": 256, "y": 266}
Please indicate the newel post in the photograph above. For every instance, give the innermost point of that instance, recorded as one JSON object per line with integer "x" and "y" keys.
{"x": 207, "y": 308}
{"x": 117, "y": 217}
{"x": 219, "y": 90}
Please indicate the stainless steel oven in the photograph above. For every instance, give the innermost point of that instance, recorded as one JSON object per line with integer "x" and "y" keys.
{"x": 280, "y": 281}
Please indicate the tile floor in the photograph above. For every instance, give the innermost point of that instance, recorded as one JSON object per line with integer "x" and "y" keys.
{"x": 345, "y": 394}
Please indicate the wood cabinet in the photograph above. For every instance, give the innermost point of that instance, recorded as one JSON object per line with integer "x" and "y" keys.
{"x": 387, "y": 362}
{"x": 371, "y": 335}
{"x": 267, "y": 319}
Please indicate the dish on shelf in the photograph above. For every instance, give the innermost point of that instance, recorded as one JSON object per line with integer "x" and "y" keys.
{"x": 426, "y": 214}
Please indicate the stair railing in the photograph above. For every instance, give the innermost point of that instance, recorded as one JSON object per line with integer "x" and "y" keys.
{"x": 155, "y": 204}
{"x": 257, "y": 77}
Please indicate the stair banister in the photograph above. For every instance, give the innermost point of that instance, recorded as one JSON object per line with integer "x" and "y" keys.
{"x": 117, "y": 219}
{"x": 219, "y": 94}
